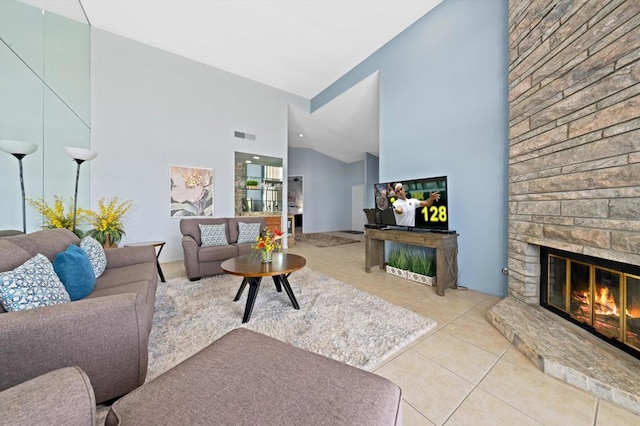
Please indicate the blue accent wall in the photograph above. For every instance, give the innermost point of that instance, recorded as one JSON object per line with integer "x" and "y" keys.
{"x": 443, "y": 111}
{"x": 355, "y": 172}
{"x": 326, "y": 187}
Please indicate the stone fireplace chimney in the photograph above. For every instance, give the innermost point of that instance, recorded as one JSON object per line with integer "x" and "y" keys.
{"x": 574, "y": 174}
{"x": 574, "y": 137}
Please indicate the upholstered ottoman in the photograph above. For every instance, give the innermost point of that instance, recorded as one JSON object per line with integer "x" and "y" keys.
{"x": 246, "y": 378}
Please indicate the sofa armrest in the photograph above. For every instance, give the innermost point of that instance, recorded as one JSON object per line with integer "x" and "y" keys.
{"x": 100, "y": 335}
{"x": 124, "y": 256}
{"x": 190, "y": 248}
{"x": 60, "y": 397}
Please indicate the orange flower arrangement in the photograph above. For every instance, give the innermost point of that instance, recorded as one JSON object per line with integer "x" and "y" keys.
{"x": 268, "y": 240}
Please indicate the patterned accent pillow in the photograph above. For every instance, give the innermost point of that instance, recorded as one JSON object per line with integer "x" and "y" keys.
{"x": 96, "y": 254}
{"x": 31, "y": 285}
{"x": 248, "y": 232}
{"x": 213, "y": 235}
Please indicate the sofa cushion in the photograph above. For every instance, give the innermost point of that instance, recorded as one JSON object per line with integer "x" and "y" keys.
{"x": 31, "y": 285}
{"x": 248, "y": 232}
{"x": 48, "y": 242}
{"x": 115, "y": 277}
{"x": 217, "y": 253}
{"x": 74, "y": 269}
{"x": 11, "y": 255}
{"x": 213, "y": 235}
{"x": 96, "y": 254}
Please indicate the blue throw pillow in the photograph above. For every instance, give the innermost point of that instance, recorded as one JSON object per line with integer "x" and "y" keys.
{"x": 75, "y": 271}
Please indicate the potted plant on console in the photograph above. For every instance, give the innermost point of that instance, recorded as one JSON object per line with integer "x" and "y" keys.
{"x": 412, "y": 263}
{"x": 252, "y": 184}
{"x": 107, "y": 222}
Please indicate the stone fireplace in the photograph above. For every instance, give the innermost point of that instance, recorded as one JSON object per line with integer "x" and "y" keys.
{"x": 574, "y": 151}
{"x": 574, "y": 137}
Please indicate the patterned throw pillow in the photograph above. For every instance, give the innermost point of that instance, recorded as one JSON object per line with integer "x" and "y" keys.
{"x": 213, "y": 235}
{"x": 248, "y": 232}
{"x": 75, "y": 271}
{"x": 31, "y": 285}
{"x": 96, "y": 254}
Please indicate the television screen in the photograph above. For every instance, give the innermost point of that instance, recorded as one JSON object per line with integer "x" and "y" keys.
{"x": 414, "y": 203}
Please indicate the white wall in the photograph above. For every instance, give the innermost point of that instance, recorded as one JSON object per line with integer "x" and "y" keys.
{"x": 152, "y": 109}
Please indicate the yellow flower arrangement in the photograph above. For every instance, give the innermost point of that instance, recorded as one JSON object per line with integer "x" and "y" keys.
{"x": 108, "y": 227}
{"x": 56, "y": 215}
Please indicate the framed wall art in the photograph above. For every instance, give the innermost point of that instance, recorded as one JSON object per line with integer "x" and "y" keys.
{"x": 191, "y": 191}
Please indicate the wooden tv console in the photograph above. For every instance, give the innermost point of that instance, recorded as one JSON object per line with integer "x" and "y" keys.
{"x": 446, "y": 246}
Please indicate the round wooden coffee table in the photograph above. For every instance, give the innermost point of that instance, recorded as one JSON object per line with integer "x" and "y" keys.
{"x": 252, "y": 270}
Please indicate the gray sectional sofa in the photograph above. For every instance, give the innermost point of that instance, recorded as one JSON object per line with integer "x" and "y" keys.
{"x": 106, "y": 334}
{"x": 58, "y": 361}
{"x": 202, "y": 261}
{"x": 59, "y": 397}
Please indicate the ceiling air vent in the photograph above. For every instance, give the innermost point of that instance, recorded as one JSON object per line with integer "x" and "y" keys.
{"x": 243, "y": 135}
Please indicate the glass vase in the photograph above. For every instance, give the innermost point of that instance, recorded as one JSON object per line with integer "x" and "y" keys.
{"x": 266, "y": 256}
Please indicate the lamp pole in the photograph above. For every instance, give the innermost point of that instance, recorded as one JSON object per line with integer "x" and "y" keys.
{"x": 19, "y": 149}
{"x": 75, "y": 194}
{"x": 24, "y": 213}
{"x": 79, "y": 155}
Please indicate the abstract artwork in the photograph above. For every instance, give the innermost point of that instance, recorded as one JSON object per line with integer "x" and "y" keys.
{"x": 191, "y": 191}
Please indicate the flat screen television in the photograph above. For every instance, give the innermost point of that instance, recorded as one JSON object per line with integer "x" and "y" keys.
{"x": 432, "y": 217}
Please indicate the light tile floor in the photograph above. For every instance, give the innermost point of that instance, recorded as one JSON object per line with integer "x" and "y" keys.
{"x": 464, "y": 372}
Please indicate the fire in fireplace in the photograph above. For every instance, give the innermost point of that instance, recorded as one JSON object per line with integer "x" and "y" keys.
{"x": 600, "y": 295}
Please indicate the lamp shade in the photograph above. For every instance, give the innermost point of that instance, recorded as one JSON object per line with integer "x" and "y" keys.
{"x": 80, "y": 153}
{"x": 17, "y": 147}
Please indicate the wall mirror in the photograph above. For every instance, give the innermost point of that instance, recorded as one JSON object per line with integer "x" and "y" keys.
{"x": 45, "y": 99}
{"x": 258, "y": 184}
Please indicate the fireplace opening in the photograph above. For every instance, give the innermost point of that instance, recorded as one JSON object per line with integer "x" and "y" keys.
{"x": 602, "y": 296}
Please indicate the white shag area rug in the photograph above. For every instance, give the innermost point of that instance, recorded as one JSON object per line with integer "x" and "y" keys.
{"x": 334, "y": 319}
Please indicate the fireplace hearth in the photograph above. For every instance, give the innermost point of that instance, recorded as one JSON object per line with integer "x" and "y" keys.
{"x": 601, "y": 296}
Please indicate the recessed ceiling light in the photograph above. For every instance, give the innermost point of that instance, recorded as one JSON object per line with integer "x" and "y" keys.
{"x": 247, "y": 161}
{"x": 301, "y": 135}
{"x": 255, "y": 157}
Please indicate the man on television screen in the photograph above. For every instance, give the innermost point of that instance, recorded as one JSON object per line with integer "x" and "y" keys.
{"x": 404, "y": 209}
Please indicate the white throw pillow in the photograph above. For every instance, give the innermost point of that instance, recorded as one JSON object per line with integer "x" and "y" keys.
{"x": 248, "y": 232}
{"x": 213, "y": 235}
{"x": 31, "y": 285}
{"x": 96, "y": 254}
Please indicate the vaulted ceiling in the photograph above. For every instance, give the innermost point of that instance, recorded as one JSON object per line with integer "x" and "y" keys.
{"x": 300, "y": 46}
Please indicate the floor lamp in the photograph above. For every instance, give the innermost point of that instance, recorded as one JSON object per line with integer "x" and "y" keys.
{"x": 79, "y": 155}
{"x": 19, "y": 149}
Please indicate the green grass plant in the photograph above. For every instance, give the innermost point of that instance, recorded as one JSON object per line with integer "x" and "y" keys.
{"x": 414, "y": 259}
